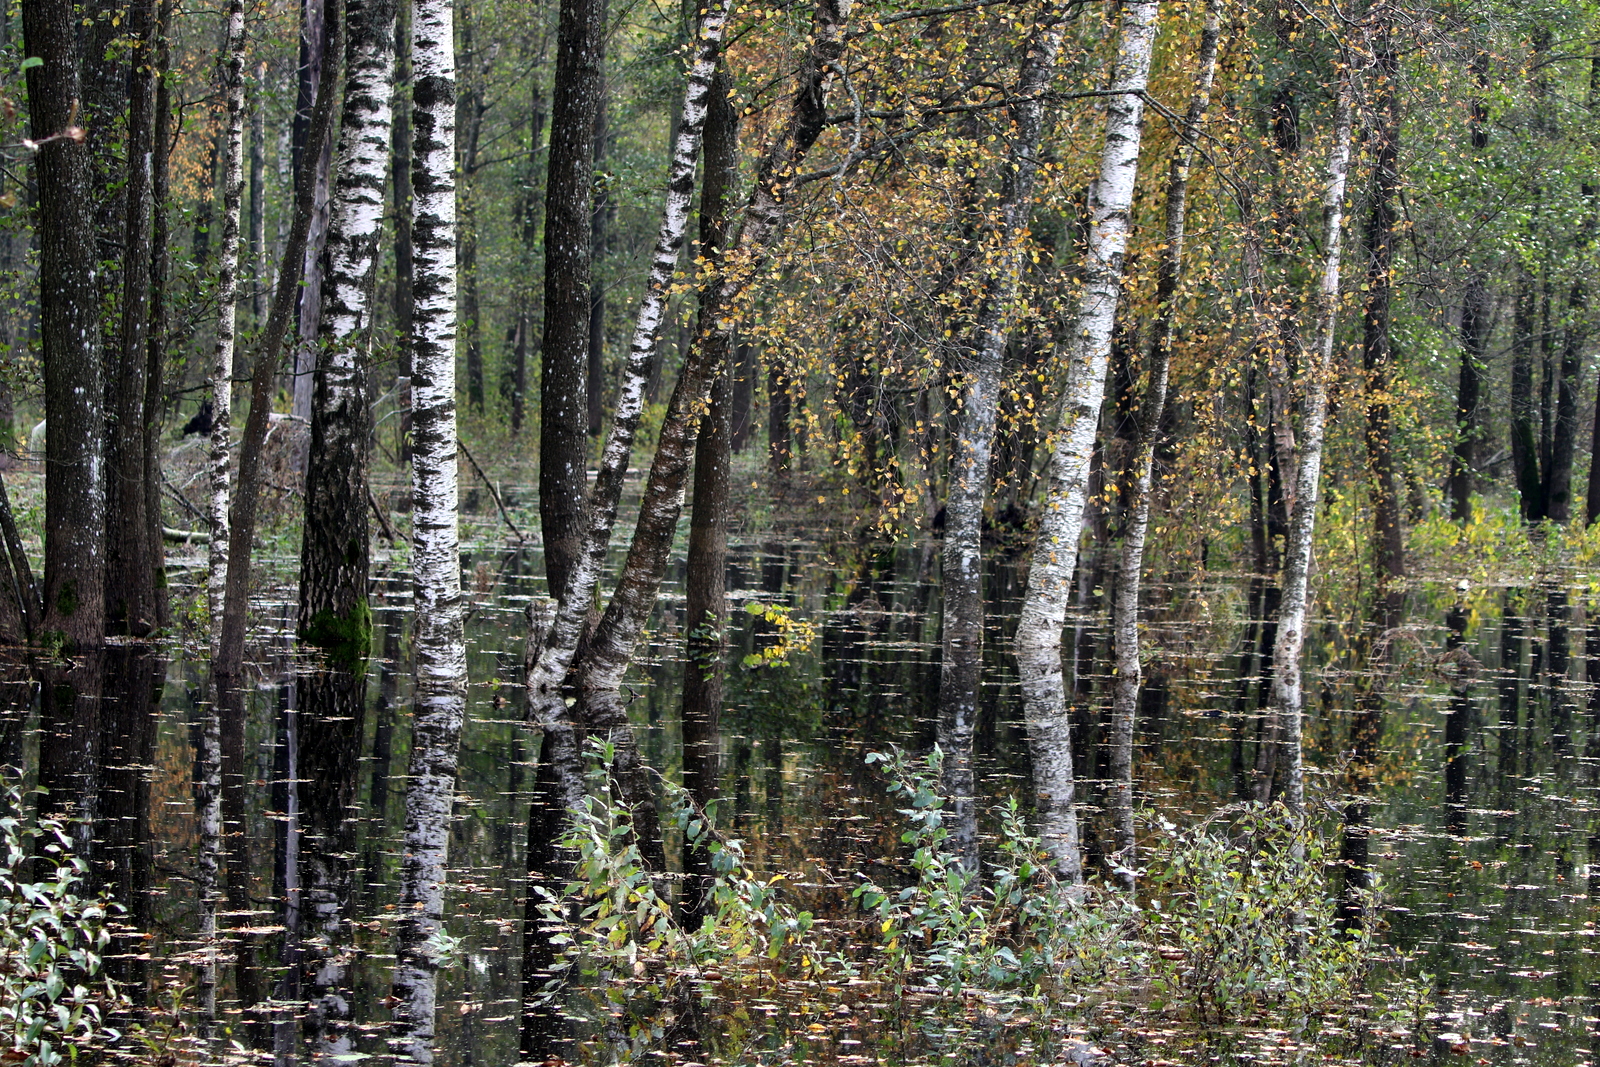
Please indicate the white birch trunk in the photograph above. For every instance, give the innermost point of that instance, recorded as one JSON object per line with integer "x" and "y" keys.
{"x": 1286, "y": 694}
{"x": 208, "y": 812}
{"x": 961, "y": 664}
{"x": 227, "y": 318}
{"x": 1044, "y": 610}
{"x": 1125, "y": 602}
{"x": 440, "y": 678}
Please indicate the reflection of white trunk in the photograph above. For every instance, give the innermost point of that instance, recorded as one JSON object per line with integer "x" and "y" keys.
{"x": 1125, "y": 604}
{"x": 208, "y": 811}
{"x": 227, "y": 314}
{"x": 1286, "y": 696}
{"x": 962, "y": 659}
{"x": 441, "y": 667}
{"x": 1038, "y": 640}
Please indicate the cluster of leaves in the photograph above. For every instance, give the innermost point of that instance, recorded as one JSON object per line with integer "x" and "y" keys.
{"x": 54, "y": 1000}
{"x": 622, "y": 944}
{"x": 793, "y": 635}
{"x": 1243, "y": 920}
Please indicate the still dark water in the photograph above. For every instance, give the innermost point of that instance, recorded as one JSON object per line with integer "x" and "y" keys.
{"x": 1484, "y": 825}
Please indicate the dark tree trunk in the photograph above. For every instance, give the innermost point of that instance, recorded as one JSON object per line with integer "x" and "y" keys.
{"x": 568, "y": 232}
{"x": 314, "y": 56}
{"x": 780, "y": 442}
{"x": 130, "y": 557}
{"x": 706, "y": 581}
{"x": 334, "y": 614}
{"x": 529, "y": 217}
{"x": 1524, "y": 436}
{"x": 1377, "y": 350}
{"x": 469, "y": 124}
{"x": 1564, "y": 436}
{"x": 401, "y": 182}
{"x": 1476, "y": 309}
{"x": 599, "y": 238}
{"x": 157, "y": 340}
{"x": 69, "y": 328}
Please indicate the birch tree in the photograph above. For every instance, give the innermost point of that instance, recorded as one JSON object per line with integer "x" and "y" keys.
{"x": 334, "y": 615}
{"x": 227, "y": 316}
{"x": 1038, "y": 638}
{"x": 1147, "y": 424}
{"x": 1318, "y": 366}
{"x": 441, "y": 664}
{"x": 961, "y": 664}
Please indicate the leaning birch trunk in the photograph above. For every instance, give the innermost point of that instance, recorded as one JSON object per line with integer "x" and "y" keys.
{"x": 1286, "y": 696}
{"x": 1125, "y": 602}
{"x": 556, "y": 646}
{"x": 441, "y": 667}
{"x": 334, "y": 615}
{"x": 962, "y": 659}
{"x": 227, "y": 317}
{"x": 1044, "y": 610}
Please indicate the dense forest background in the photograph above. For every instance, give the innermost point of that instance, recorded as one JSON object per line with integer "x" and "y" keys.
{"x": 1211, "y": 359}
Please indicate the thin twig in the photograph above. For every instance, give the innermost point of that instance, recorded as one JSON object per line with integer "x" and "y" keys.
{"x": 383, "y": 520}
{"x": 492, "y": 492}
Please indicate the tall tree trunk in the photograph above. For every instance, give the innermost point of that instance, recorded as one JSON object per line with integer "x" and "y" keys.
{"x": 529, "y": 217}
{"x": 69, "y": 328}
{"x": 242, "y": 517}
{"x": 1524, "y": 437}
{"x": 334, "y": 615}
{"x": 1152, "y": 408}
{"x": 599, "y": 238}
{"x": 1476, "y": 311}
{"x": 1038, "y": 636}
{"x": 227, "y": 318}
{"x": 314, "y": 56}
{"x": 130, "y": 557}
{"x": 1377, "y": 349}
{"x": 469, "y": 122}
{"x": 401, "y": 181}
{"x": 1318, "y": 368}
{"x": 1564, "y": 436}
{"x": 568, "y": 231}
{"x": 158, "y": 335}
{"x": 961, "y": 665}
{"x": 705, "y": 585}
{"x": 441, "y": 665}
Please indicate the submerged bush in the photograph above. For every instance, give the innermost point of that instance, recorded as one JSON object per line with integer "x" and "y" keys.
{"x": 54, "y": 999}
{"x": 1235, "y": 921}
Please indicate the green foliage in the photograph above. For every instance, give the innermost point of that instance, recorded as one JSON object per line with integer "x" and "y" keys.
{"x": 794, "y": 635}
{"x": 1243, "y": 920}
{"x": 53, "y": 997}
{"x": 345, "y": 639}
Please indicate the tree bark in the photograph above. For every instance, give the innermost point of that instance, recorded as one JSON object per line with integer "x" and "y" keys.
{"x": 529, "y": 218}
{"x": 1564, "y": 435}
{"x": 130, "y": 557}
{"x": 1038, "y": 636}
{"x": 1524, "y": 437}
{"x": 314, "y": 57}
{"x": 961, "y": 664}
{"x": 157, "y": 338}
{"x": 441, "y": 666}
{"x": 69, "y": 329}
{"x": 568, "y": 231}
{"x": 599, "y": 239}
{"x": 1318, "y": 368}
{"x": 401, "y": 181}
{"x": 335, "y": 546}
{"x": 1476, "y": 311}
{"x": 1128, "y": 676}
{"x": 705, "y": 584}
{"x": 242, "y": 517}
{"x": 1377, "y": 350}
{"x": 227, "y": 319}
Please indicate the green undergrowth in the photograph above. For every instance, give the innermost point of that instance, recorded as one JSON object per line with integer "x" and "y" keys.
{"x": 1232, "y": 931}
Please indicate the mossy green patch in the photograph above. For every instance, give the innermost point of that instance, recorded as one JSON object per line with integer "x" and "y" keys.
{"x": 345, "y": 639}
{"x": 67, "y": 598}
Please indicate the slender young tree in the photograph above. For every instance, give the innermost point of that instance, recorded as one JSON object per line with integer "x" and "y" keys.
{"x": 334, "y": 615}
{"x": 962, "y": 661}
{"x": 441, "y": 663}
{"x": 1038, "y": 637}
{"x": 1147, "y": 426}
{"x": 1317, "y": 369}
{"x": 69, "y": 332}
{"x": 233, "y": 47}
